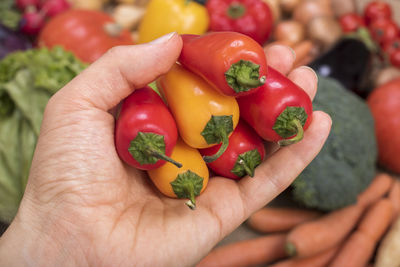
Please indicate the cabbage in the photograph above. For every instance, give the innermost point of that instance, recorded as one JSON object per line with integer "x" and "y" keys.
{"x": 27, "y": 80}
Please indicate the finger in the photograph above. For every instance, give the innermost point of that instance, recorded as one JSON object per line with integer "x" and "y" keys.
{"x": 232, "y": 202}
{"x": 117, "y": 73}
{"x": 306, "y": 78}
{"x": 280, "y": 57}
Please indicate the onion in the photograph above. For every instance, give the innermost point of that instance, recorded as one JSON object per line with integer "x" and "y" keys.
{"x": 324, "y": 30}
{"x": 290, "y": 32}
{"x": 341, "y": 7}
{"x": 289, "y": 5}
{"x": 275, "y": 9}
{"x": 309, "y": 9}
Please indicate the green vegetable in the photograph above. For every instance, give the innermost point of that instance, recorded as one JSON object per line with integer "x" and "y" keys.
{"x": 27, "y": 80}
{"x": 9, "y": 15}
{"x": 346, "y": 164}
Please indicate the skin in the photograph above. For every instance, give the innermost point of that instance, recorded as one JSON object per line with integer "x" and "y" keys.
{"x": 84, "y": 207}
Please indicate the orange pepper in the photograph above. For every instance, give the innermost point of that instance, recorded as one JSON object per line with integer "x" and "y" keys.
{"x": 204, "y": 117}
{"x": 186, "y": 182}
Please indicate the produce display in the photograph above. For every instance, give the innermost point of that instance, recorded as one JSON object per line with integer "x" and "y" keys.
{"x": 221, "y": 103}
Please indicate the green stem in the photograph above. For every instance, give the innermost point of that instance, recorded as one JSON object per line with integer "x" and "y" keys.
{"x": 225, "y": 142}
{"x": 244, "y": 80}
{"x": 236, "y": 11}
{"x": 299, "y": 134}
{"x": 189, "y": 189}
{"x": 246, "y": 168}
{"x": 155, "y": 153}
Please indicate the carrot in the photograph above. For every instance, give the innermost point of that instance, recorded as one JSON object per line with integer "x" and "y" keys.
{"x": 317, "y": 260}
{"x": 321, "y": 234}
{"x": 302, "y": 50}
{"x": 246, "y": 253}
{"x": 394, "y": 196}
{"x": 269, "y": 220}
{"x": 377, "y": 189}
{"x": 359, "y": 248}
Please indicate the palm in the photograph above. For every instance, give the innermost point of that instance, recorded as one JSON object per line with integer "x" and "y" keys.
{"x": 111, "y": 213}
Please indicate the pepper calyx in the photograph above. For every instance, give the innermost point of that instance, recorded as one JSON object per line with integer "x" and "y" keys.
{"x": 148, "y": 148}
{"x": 243, "y": 76}
{"x": 289, "y": 123}
{"x": 217, "y": 130}
{"x": 188, "y": 185}
{"x": 246, "y": 163}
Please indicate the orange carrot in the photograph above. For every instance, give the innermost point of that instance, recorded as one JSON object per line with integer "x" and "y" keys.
{"x": 378, "y": 187}
{"x": 269, "y": 220}
{"x": 321, "y": 234}
{"x": 246, "y": 253}
{"x": 359, "y": 248}
{"x": 394, "y": 196}
{"x": 302, "y": 50}
{"x": 317, "y": 260}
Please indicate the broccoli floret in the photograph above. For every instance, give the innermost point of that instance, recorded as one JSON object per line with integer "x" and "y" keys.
{"x": 346, "y": 164}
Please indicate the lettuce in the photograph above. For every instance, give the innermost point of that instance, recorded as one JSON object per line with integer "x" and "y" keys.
{"x": 27, "y": 80}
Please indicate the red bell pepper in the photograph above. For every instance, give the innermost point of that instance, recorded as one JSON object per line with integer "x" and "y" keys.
{"x": 145, "y": 131}
{"x": 231, "y": 62}
{"x": 251, "y": 17}
{"x": 280, "y": 111}
{"x": 245, "y": 152}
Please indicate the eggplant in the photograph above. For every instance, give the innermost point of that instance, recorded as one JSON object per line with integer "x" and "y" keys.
{"x": 11, "y": 41}
{"x": 349, "y": 61}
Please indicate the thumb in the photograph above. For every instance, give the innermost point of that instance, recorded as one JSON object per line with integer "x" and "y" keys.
{"x": 118, "y": 72}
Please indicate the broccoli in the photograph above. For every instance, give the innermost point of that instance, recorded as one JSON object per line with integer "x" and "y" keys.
{"x": 347, "y": 162}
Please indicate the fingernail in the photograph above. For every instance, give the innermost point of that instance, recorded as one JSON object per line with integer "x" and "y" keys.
{"x": 310, "y": 69}
{"x": 163, "y": 39}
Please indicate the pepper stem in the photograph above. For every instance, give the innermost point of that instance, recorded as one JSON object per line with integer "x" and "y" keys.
{"x": 236, "y": 11}
{"x": 244, "y": 80}
{"x": 191, "y": 203}
{"x": 247, "y": 169}
{"x": 157, "y": 154}
{"x": 299, "y": 134}
{"x": 225, "y": 142}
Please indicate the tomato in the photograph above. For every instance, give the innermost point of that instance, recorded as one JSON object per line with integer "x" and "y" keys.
{"x": 392, "y": 45}
{"x": 395, "y": 58}
{"x": 350, "y": 22}
{"x": 377, "y": 10}
{"x": 383, "y": 30}
{"x": 86, "y": 33}
{"x": 384, "y": 103}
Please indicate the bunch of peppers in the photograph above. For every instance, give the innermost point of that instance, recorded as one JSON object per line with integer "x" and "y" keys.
{"x": 222, "y": 101}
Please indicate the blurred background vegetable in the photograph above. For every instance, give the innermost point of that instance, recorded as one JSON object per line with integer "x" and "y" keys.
{"x": 27, "y": 80}
{"x": 165, "y": 16}
{"x": 11, "y": 41}
{"x": 86, "y": 33}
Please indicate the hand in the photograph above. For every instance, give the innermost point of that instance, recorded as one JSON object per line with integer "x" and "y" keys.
{"x": 83, "y": 206}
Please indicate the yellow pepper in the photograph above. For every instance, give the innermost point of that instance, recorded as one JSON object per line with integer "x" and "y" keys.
{"x": 188, "y": 181}
{"x": 204, "y": 117}
{"x": 165, "y": 16}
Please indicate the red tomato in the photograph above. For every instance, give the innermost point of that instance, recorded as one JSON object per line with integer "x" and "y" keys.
{"x": 383, "y": 30}
{"x": 384, "y": 103}
{"x": 391, "y": 46}
{"x": 350, "y": 22}
{"x": 395, "y": 58}
{"x": 86, "y": 33}
{"x": 377, "y": 10}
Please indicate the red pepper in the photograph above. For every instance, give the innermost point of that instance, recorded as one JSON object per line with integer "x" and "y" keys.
{"x": 231, "y": 62}
{"x": 145, "y": 131}
{"x": 245, "y": 152}
{"x": 279, "y": 111}
{"x": 251, "y": 17}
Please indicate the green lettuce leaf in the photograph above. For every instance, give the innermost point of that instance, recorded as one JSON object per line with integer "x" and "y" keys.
{"x": 27, "y": 80}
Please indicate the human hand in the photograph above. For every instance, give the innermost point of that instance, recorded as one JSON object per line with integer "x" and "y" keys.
{"x": 84, "y": 206}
